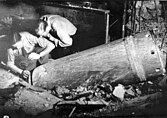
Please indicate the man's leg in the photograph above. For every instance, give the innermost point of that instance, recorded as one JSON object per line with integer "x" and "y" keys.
{"x": 26, "y": 64}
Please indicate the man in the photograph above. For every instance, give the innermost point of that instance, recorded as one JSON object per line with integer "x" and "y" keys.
{"x": 26, "y": 52}
{"x": 60, "y": 28}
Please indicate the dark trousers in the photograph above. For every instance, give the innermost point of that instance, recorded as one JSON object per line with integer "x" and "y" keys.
{"x": 24, "y": 63}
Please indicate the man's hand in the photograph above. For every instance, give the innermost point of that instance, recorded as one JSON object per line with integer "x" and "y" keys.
{"x": 33, "y": 56}
{"x": 26, "y": 73}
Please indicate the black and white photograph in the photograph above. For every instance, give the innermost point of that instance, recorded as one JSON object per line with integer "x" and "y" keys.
{"x": 83, "y": 58}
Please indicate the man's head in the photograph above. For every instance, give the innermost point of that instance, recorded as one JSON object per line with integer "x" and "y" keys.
{"x": 41, "y": 30}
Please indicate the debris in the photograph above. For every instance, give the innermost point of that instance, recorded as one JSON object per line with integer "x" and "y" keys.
{"x": 1, "y": 36}
{"x": 46, "y": 105}
{"x": 60, "y": 92}
{"x": 130, "y": 92}
{"x": 138, "y": 92}
{"x": 82, "y": 102}
{"x": 119, "y": 92}
{"x": 149, "y": 82}
{"x": 83, "y": 94}
{"x": 72, "y": 111}
{"x": 106, "y": 88}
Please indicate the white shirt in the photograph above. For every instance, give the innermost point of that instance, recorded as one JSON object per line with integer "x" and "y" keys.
{"x": 63, "y": 27}
{"x": 29, "y": 41}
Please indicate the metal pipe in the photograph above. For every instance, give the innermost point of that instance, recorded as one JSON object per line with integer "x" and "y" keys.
{"x": 156, "y": 11}
{"x": 131, "y": 18}
{"x": 134, "y": 15}
{"x": 124, "y": 19}
{"x": 140, "y": 15}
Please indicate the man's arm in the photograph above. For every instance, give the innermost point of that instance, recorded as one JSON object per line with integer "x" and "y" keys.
{"x": 51, "y": 38}
{"x": 10, "y": 62}
{"x": 44, "y": 43}
{"x": 49, "y": 47}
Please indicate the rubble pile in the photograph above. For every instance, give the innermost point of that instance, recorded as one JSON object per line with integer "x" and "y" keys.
{"x": 96, "y": 98}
